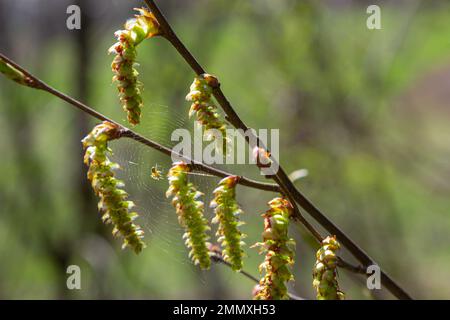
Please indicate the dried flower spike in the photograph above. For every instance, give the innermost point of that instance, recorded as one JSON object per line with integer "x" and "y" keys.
{"x": 143, "y": 26}
{"x": 113, "y": 203}
{"x": 190, "y": 213}
{"x": 204, "y": 108}
{"x": 227, "y": 210}
{"x": 279, "y": 249}
{"x": 324, "y": 273}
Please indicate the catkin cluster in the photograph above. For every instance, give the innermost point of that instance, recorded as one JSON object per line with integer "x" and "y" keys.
{"x": 204, "y": 108}
{"x": 113, "y": 200}
{"x": 279, "y": 250}
{"x": 143, "y": 26}
{"x": 324, "y": 273}
{"x": 227, "y": 210}
{"x": 190, "y": 213}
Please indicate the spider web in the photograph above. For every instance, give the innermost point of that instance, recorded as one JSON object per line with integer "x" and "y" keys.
{"x": 157, "y": 215}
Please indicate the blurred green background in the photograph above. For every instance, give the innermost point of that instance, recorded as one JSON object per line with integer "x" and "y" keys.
{"x": 364, "y": 111}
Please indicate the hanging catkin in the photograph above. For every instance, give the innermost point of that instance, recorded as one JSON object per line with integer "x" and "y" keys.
{"x": 279, "y": 250}
{"x": 143, "y": 26}
{"x": 190, "y": 213}
{"x": 113, "y": 200}
{"x": 205, "y": 110}
{"x": 227, "y": 211}
{"x": 324, "y": 273}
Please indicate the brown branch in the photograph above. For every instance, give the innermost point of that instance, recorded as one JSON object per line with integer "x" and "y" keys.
{"x": 36, "y": 83}
{"x": 280, "y": 177}
{"x": 355, "y": 269}
{"x": 232, "y": 117}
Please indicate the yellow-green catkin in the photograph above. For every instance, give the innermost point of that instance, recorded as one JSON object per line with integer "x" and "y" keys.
{"x": 204, "y": 108}
{"x": 185, "y": 199}
{"x": 227, "y": 211}
{"x": 324, "y": 273}
{"x": 143, "y": 26}
{"x": 113, "y": 199}
{"x": 279, "y": 250}
{"x": 13, "y": 74}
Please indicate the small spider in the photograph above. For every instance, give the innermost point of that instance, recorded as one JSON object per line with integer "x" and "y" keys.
{"x": 156, "y": 174}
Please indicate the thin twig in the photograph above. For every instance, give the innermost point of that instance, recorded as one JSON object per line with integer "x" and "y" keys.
{"x": 126, "y": 132}
{"x": 345, "y": 265}
{"x": 281, "y": 177}
{"x": 218, "y": 259}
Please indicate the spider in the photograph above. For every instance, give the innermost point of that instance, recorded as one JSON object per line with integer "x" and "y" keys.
{"x": 156, "y": 173}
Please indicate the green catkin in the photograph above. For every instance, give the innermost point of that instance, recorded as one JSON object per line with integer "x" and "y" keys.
{"x": 279, "y": 250}
{"x": 227, "y": 210}
{"x": 204, "y": 108}
{"x": 113, "y": 203}
{"x": 13, "y": 74}
{"x": 136, "y": 30}
{"x": 190, "y": 213}
{"x": 324, "y": 272}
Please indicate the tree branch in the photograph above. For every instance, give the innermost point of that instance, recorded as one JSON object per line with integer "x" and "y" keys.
{"x": 355, "y": 269}
{"x": 36, "y": 83}
{"x": 280, "y": 177}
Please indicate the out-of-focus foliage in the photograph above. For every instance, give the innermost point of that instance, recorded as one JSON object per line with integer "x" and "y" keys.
{"x": 364, "y": 111}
